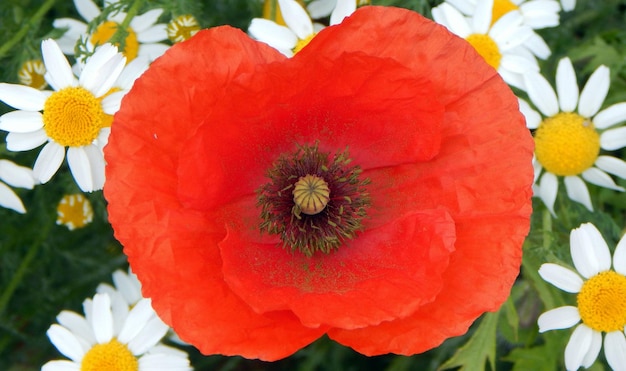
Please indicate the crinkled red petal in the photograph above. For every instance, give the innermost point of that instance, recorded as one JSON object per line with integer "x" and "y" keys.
{"x": 384, "y": 274}
{"x": 482, "y": 175}
{"x": 172, "y": 249}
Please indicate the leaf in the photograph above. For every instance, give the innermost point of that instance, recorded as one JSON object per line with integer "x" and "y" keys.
{"x": 481, "y": 347}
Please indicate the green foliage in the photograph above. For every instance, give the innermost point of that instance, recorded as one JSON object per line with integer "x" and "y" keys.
{"x": 480, "y": 348}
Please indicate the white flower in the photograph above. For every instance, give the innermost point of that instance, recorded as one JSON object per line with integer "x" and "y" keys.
{"x": 500, "y": 44}
{"x": 142, "y": 40}
{"x": 323, "y": 8}
{"x": 300, "y": 29}
{"x": 73, "y": 116}
{"x": 536, "y": 14}
{"x": 601, "y": 300}
{"x": 570, "y": 132}
{"x": 104, "y": 341}
{"x": 15, "y": 176}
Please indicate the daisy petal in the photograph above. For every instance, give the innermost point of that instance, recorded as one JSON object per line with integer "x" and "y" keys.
{"x": 143, "y": 22}
{"x": 568, "y": 5}
{"x": 274, "y": 35}
{"x": 102, "y": 318}
{"x": 22, "y": 97}
{"x": 16, "y": 175}
{"x": 600, "y": 178}
{"x": 87, "y": 9}
{"x": 80, "y": 167}
{"x": 102, "y": 69}
{"x": 533, "y": 118}
{"x": 77, "y": 324}
{"x": 164, "y": 361}
{"x": 66, "y": 342}
{"x": 59, "y": 72}
{"x": 452, "y": 19}
{"x": 482, "y": 16}
{"x": 610, "y": 116}
{"x": 96, "y": 161}
{"x": 558, "y": 318}
{"x": 296, "y": 18}
{"x": 136, "y": 321}
{"x": 26, "y": 141}
{"x": 320, "y": 8}
{"x": 60, "y": 366}
{"x": 153, "y": 34}
{"x": 613, "y": 139}
{"x": 537, "y": 46}
{"x": 152, "y": 51}
{"x": 612, "y": 165}
{"x": 541, "y": 93}
{"x": 131, "y": 72}
{"x": 561, "y": 277}
{"x": 128, "y": 285}
{"x": 10, "y": 200}
{"x": 48, "y": 161}
{"x": 21, "y": 121}
{"x": 589, "y": 251}
{"x": 594, "y": 92}
{"x": 112, "y": 102}
{"x": 566, "y": 85}
{"x": 594, "y": 349}
{"x": 548, "y": 188}
{"x": 615, "y": 349}
{"x": 578, "y": 346}
{"x": 577, "y": 191}
{"x": 149, "y": 336}
{"x": 619, "y": 256}
{"x": 343, "y": 9}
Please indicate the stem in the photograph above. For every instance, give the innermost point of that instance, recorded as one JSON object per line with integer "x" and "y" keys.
{"x": 21, "y": 270}
{"x": 24, "y": 30}
{"x": 119, "y": 38}
{"x": 546, "y": 230}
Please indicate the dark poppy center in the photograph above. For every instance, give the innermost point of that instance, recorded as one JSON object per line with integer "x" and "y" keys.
{"x": 313, "y": 201}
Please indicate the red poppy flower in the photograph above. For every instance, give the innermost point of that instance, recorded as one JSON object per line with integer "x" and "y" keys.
{"x": 375, "y": 188}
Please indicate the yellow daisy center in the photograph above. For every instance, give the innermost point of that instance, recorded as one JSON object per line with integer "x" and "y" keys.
{"x": 487, "y": 48}
{"x": 74, "y": 211}
{"x": 32, "y": 74}
{"x": 566, "y": 144}
{"x": 72, "y": 117}
{"x": 500, "y": 8}
{"x": 182, "y": 28}
{"x": 303, "y": 42}
{"x": 602, "y": 302}
{"x": 106, "y": 30}
{"x": 113, "y": 356}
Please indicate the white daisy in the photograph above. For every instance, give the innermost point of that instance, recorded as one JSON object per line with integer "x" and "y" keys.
{"x": 125, "y": 293}
{"x": 570, "y": 132}
{"x": 498, "y": 44}
{"x": 300, "y": 29}
{"x": 601, "y": 300}
{"x": 318, "y": 9}
{"x": 15, "y": 176}
{"x": 73, "y": 116}
{"x": 94, "y": 342}
{"x": 143, "y": 37}
{"x": 536, "y": 14}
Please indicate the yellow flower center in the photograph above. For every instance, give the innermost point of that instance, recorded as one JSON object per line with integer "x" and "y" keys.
{"x": 303, "y": 42}
{"x": 602, "y": 302}
{"x": 106, "y": 30}
{"x": 113, "y": 356}
{"x": 74, "y": 211}
{"x": 566, "y": 144}
{"x": 311, "y": 194}
{"x": 72, "y": 117}
{"x": 182, "y": 28}
{"x": 500, "y": 8}
{"x": 487, "y": 48}
{"x": 32, "y": 74}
